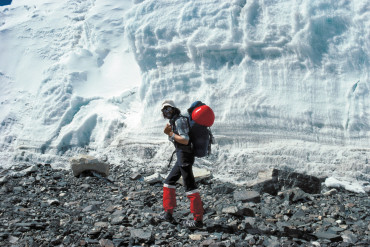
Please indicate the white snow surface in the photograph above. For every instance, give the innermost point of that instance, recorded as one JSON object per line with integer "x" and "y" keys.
{"x": 288, "y": 82}
{"x": 348, "y": 185}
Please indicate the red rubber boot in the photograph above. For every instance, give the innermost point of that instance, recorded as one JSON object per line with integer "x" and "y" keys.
{"x": 169, "y": 198}
{"x": 196, "y": 205}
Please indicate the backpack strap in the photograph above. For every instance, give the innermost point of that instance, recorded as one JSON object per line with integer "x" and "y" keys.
{"x": 186, "y": 148}
{"x": 173, "y": 121}
{"x": 211, "y": 141}
{"x": 169, "y": 163}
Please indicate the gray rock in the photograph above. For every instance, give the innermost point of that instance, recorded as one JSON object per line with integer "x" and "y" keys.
{"x": 88, "y": 163}
{"x": 330, "y": 192}
{"x": 141, "y": 235}
{"x": 196, "y": 237}
{"x": 12, "y": 239}
{"x": 266, "y": 182}
{"x": 335, "y": 229}
{"x": 135, "y": 176}
{"x": 52, "y": 202}
{"x": 223, "y": 189}
{"x": 307, "y": 183}
{"x": 56, "y": 241}
{"x": 250, "y": 220}
{"x": 33, "y": 225}
{"x": 119, "y": 213}
{"x": 294, "y": 195}
{"x": 349, "y": 237}
{"x": 152, "y": 179}
{"x": 106, "y": 243}
{"x": 95, "y": 230}
{"x": 249, "y": 237}
{"x": 266, "y": 212}
{"x": 271, "y": 181}
{"x": 117, "y": 220}
{"x": 218, "y": 244}
{"x": 85, "y": 186}
{"x": 3, "y": 180}
{"x": 230, "y": 210}
{"x": 90, "y": 208}
{"x": 57, "y": 175}
{"x": 244, "y": 211}
{"x": 101, "y": 224}
{"x": 67, "y": 240}
{"x": 24, "y": 172}
{"x": 18, "y": 189}
{"x": 207, "y": 242}
{"x": 247, "y": 196}
{"x": 300, "y": 214}
{"x": 91, "y": 241}
{"x": 271, "y": 242}
{"x": 328, "y": 235}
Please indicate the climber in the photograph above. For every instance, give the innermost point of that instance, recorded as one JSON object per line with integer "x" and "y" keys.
{"x": 178, "y": 132}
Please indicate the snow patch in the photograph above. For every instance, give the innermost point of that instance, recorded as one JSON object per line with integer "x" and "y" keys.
{"x": 348, "y": 185}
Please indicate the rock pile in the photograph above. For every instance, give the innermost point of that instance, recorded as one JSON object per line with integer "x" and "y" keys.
{"x": 45, "y": 207}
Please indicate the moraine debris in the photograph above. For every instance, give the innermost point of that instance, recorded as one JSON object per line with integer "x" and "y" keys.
{"x": 54, "y": 207}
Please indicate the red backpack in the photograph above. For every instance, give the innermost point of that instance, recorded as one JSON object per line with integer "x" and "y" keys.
{"x": 201, "y": 118}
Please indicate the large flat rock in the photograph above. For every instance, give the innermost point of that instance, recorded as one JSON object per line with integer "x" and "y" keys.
{"x": 273, "y": 180}
{"x": 88, "y": 163}
{"x": 247, "y": 196}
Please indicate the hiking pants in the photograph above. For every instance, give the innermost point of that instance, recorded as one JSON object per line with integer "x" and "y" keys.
{"x": 184, "y": 168}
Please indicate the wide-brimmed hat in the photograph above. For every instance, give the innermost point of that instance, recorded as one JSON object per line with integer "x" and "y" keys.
{"x": 168, "y": 103}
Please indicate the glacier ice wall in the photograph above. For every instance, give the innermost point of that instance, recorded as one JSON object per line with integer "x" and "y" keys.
{"x": 288, "y": 81}
{"x": 67, "y": 78}
{"x": 288, "y": 69}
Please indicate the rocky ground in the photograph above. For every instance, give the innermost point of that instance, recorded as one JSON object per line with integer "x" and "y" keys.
{"x": 41, "y": 206}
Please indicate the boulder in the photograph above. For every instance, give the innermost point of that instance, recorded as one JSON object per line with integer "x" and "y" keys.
{"x": 271, "y": 181}
{"x": 266, "y": 182}
{"x": 88, "y": 163}
{"x": 295, "y": 195}
{"x": 307, "y": 183}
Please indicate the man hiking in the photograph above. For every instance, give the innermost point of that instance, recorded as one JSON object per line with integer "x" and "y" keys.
{"x": 178, "y": 132}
